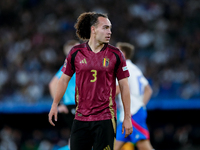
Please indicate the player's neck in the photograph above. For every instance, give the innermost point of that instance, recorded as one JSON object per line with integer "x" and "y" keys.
{"x": 95, "y": 46}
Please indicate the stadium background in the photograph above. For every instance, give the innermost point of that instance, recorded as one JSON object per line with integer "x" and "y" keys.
{"x": 166, "y": 35}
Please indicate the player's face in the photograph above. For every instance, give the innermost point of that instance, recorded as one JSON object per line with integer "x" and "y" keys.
{"x": 103, "y": 30}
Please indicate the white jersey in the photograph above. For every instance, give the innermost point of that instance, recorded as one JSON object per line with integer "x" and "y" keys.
{"x": 137, "y": 83}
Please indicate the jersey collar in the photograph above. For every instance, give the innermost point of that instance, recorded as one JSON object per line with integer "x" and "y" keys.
{"x": 105, "y": 45}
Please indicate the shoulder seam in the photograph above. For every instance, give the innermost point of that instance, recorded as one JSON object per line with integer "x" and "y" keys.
{"x": 80, "y": 45}
{"x": 112, "y": 47}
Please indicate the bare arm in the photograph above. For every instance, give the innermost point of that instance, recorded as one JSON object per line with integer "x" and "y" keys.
{"x": 147, "y": 94}
{"x": 60, "y": 90}
{"x": 52, "y": 86}
{"x": 52, "y": 89}
{"x": 125, "y": 94}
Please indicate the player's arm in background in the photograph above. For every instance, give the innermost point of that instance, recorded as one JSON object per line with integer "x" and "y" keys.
{"x": 125, "y": 95}
{"x": 60, "y": 90}
{"x": 147, "y": 94}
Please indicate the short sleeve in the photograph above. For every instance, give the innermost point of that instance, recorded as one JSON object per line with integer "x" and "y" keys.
{"x": 68, "y": 67}
{"x": 122, "y": 70}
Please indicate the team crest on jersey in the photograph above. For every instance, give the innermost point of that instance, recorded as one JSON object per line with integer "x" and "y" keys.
{"x": 105, "y": 62}
{"x": 65, "y": 63}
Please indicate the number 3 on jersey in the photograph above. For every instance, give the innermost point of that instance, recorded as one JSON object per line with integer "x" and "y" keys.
{"x": 94, "y": 74}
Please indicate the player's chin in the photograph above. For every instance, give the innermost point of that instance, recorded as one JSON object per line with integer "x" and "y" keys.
{"x": 106, "y": 41}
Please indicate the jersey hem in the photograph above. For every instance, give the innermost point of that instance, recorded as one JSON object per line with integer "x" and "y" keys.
{"x": 92, "y": 119}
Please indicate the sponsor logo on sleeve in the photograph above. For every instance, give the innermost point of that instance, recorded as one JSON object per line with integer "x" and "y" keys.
{"x": 125, "y": 68}
{"x": 65, "y": 63}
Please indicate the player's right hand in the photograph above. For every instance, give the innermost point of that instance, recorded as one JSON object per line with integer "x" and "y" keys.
{"x": 53, "y": 112}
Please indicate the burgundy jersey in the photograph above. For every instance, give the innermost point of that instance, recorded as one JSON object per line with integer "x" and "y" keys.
{"x": 96, "y": 75}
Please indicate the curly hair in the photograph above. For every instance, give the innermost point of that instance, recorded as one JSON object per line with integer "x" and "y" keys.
{"x": 84, "y": 23}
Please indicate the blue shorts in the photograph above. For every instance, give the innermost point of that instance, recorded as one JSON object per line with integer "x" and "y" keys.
{"x": 140, "y": 130}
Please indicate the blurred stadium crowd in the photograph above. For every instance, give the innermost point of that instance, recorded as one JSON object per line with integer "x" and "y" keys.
{"x": 14, "y": 139}
{"x": 166, "y": 35}
{"x": 167, "y": 137}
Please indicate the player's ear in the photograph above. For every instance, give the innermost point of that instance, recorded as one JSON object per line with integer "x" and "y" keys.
{"x": 92, "y": 29}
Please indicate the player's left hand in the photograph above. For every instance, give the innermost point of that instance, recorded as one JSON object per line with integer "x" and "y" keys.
{"x": 127, "y": 127}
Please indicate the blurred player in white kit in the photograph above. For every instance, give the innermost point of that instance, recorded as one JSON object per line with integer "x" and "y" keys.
{"x": 140, "y": 92}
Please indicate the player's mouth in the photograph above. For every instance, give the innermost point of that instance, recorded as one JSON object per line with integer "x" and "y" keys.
{"x": 108, "y": 38}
